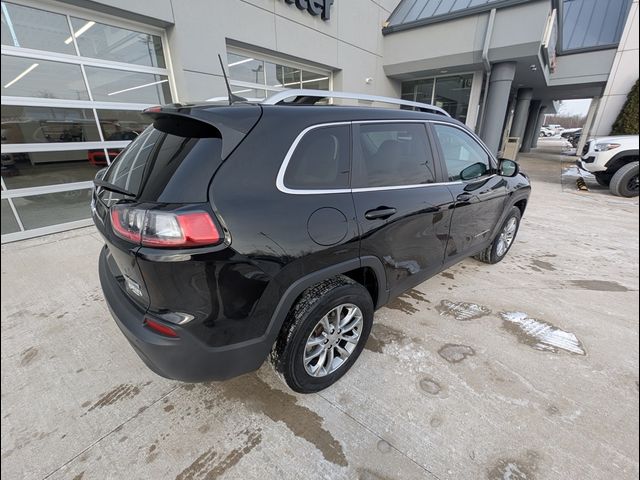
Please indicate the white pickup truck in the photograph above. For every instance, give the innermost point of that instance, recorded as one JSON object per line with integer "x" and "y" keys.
{"x": 614, "y": 162}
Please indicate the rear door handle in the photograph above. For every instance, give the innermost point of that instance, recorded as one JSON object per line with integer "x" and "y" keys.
{"x": 381, "y": 213}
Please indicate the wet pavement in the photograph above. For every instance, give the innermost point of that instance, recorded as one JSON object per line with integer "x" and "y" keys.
{"x": 523, "y": 370}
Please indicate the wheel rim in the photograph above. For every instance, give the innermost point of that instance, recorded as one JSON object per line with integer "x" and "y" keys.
{"x": 507, "y": 235}
{"x": 634, "y": 184}
{"x": 333, "y": 340}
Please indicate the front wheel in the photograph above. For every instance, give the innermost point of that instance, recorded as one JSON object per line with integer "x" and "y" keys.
{"x": 624, "y": 182}
{"x": 502, "y": 243}
{"x": 324, "y": 334}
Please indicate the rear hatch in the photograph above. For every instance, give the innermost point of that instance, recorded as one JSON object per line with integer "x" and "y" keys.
{"x": 155, "y": 192}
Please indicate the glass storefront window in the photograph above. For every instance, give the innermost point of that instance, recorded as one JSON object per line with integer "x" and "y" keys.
{"x": 249, "y": 92}
{"x": 98, "y": 40}
{"x": 418, "y": 90}
{"x": 314, "y": 81}
{"x": 245, "y": 69}
{"x": 9, "y": 223}
{"x": 273, "y": 76}
{"x": 47, "y": 125}
{"x": 451, "y": 93}
{"x": 109, "y": 85}
{"x": 35, "y": 169}
{"x": 122, "y": 125}
{"x": 34, "y": 28}
{"x": 28, "y": 77}
{"x": 282, "y": 76}
{"x": 38, "y": 211}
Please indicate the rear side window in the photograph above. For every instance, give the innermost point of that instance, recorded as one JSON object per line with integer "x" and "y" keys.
{"x": 321, "y": 160}
{"x": 163, "y": 167}
{"x": 126, "y": 172}
{"x": 464, "y": 156}
{"x": 393, "y": 154}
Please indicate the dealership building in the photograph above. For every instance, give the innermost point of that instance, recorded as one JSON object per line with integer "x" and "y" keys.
{"x": 76, "y": 74}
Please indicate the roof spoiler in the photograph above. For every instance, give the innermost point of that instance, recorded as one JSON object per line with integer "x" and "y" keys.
{"x": 229, "y": 123}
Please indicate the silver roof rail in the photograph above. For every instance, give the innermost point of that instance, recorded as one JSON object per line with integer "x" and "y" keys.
{"x": 310, "y": 97}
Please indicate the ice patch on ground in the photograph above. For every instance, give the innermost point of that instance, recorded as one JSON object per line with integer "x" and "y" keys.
{"x": 542, "y": 335}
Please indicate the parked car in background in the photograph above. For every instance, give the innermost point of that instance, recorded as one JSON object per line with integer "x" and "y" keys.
{"x": 614, "y": 162}
{"x": 274, "y": 230}
{"x": 555, "y": 128}
{"x": 572, "y": 135}
{"x": 546, "y": 132}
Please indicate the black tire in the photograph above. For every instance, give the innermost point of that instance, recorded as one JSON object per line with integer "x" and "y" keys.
{"x": 490, "y": 254}
{"x": 603, "y": 178}
{"x": 314, "y": 303}
{"x": 624, "y": 182}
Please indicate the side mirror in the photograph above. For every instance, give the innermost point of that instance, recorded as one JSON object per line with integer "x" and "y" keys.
{"x": 473, "y": 171}
{"x": 508, "y": 168}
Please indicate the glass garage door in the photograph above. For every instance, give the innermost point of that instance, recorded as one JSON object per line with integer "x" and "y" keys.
{"x": 73, "y": 87}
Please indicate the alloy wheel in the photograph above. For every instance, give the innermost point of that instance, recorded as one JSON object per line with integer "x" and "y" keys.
{"x": 507, "y": 235}
{"x": 333, "y": 340}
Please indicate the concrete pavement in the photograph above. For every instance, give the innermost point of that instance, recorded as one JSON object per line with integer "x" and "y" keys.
{"x": 525, "y": 370}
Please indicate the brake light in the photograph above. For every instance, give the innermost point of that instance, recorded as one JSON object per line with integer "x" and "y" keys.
{"x": 154, "y": 109}
{"x": 160, "y": 328}
{"x": 127, "y": 222}
{"x": 155, "y": 228}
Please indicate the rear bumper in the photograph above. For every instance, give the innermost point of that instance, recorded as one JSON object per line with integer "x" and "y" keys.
{"x": 185, "y": 358}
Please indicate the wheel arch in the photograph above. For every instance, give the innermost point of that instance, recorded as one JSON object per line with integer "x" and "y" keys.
{"x": 366, "y": 270}
{"x": 620, "y": 160}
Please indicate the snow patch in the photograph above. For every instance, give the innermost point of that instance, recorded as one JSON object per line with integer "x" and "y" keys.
{"x": 542, "y": 335}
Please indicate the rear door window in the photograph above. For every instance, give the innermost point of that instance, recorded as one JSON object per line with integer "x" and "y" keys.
{"x": 393, "y": 154}
{"x": 321, "y": 160}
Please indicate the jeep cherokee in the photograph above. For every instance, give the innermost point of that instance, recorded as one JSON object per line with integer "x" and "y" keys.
{"x": 240, "y": 232}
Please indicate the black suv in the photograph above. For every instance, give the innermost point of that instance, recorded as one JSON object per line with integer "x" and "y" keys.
{"x": 238, "y": 232}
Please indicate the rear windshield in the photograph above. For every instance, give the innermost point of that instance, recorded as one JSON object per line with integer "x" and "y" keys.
{"x": 163, "y": 167}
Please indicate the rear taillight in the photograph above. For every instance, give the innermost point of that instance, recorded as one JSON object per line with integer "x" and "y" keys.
{"x": 155, "y": 228}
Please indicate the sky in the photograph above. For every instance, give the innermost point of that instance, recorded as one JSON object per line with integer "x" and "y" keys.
{"x": 575, "y": 107}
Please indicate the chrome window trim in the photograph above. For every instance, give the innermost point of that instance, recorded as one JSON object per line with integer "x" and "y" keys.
{"x": 295, "y": 191}
{"x": 287, "y": 158}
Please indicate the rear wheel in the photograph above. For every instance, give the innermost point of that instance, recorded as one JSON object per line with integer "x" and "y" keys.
{"x": 504, "y": 240}
{"x": 624, "y": 182}
{"x": 324, "y": 334}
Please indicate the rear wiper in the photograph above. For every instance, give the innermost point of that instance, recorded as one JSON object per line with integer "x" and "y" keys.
{"x": 112, "y": 188}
